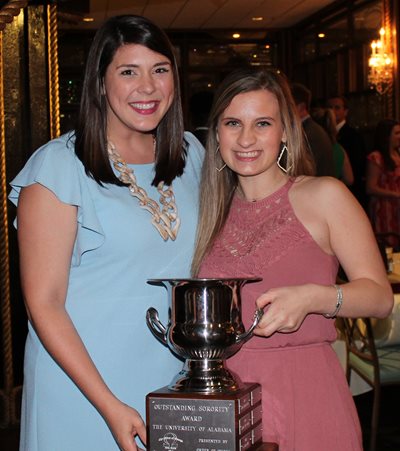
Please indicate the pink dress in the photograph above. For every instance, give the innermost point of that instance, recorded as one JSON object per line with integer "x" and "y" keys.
{"x": 385, "y": 211}
{"x": 307, "y": 404}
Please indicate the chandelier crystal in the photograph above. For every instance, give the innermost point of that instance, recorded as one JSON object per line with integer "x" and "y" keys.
{"x": 380, "y": 64}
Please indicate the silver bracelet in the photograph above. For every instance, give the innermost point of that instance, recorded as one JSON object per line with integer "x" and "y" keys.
{"x": 339, "y": 302}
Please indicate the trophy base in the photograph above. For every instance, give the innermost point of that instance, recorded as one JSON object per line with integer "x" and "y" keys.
{"x": 205, "y": 422}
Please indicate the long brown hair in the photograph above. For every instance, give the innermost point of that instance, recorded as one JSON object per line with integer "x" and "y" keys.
{"x": 217, "y": 188}
{"x": 91, "y": 130}
{"x": 382, "y": 135}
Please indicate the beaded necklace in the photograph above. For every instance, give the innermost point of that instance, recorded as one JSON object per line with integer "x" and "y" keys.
{"x": 164, "y": 219}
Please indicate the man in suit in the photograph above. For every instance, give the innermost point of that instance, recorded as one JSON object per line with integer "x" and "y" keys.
{"x": 318, "y": 140}
{"x": 354, "y": 144}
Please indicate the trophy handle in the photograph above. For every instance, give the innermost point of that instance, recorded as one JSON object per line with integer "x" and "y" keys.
{"x": 242, "y": 338}
{"x": 155, "y": 325}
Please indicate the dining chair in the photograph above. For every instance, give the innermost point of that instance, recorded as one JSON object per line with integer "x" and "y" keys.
{"x": 378, "y": 366}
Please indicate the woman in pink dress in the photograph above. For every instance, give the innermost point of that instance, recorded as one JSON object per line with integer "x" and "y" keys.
{"x": 383, "y": 178}
{"x": 263, "y": 214}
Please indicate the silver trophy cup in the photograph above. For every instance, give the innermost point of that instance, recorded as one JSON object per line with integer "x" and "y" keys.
{"x": 204, "y": 328}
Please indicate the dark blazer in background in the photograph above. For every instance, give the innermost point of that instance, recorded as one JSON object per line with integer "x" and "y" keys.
{"x": 354, "y": 144}
{"x": 320, "y": 146}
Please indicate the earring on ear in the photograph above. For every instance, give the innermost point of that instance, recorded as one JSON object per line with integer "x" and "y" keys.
{"x": 287, "y": 158}
{"x": 222, "y": 167}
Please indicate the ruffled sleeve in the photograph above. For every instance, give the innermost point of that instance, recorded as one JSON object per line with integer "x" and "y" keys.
{"x": 56, "y": 167}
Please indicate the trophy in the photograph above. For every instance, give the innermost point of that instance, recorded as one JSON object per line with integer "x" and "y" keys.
{"x": 205, "y": 407}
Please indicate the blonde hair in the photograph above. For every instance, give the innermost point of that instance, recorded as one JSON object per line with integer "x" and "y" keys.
{"x": 217, "y": 188}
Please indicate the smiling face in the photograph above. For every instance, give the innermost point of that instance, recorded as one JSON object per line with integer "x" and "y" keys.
{"x": 139, "y": 87}
{"x": 250, "y": 134}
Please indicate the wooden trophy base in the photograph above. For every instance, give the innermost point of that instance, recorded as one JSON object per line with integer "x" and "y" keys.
{"x": 268, "y": 447}
{"x": 181, "y": 421}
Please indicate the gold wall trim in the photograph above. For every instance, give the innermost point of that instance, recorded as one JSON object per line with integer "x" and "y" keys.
{"x": 5, "y": 262}
{"x": 54, "y": 84}
{"x": 8, "y": 392}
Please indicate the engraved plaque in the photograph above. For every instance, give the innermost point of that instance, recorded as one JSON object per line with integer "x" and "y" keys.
{"x": 204, "y": 422}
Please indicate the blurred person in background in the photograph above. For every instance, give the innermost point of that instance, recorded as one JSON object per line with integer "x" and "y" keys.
{"x": 352, "y": 141}
{"x": 325, "y": 117}
{"x": 383, "y": 178}
{"x": 317, "y": 139}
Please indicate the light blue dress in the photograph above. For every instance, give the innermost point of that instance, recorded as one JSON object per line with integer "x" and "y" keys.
{"x": 116, "y": 250}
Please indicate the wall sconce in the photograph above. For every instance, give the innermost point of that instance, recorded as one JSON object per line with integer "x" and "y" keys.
{"x": 380, "y": 64}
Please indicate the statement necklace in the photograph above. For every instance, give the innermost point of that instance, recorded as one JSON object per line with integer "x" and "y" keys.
{"x": 166, "y": 219}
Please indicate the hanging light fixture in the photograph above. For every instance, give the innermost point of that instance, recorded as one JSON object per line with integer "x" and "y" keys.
{"x": 380, "y": 64}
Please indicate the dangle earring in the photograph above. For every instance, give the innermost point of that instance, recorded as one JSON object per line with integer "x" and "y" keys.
{"x": 222, "y": 167}
{"x": 281, "y": 155}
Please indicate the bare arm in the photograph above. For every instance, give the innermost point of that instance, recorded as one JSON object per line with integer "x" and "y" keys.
{"x": 368, "y": 292}
{"x": 340, "y": 226}
{"x": 46, "y": 233}
{"x": 372, "y": 186}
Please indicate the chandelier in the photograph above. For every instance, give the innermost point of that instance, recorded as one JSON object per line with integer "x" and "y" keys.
{"x": 380, "y": 64}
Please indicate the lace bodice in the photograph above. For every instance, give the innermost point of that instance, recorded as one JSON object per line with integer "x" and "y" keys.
{"x": 257, "y": 235}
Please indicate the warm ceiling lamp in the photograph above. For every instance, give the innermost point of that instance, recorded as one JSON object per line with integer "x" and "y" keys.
{"x": 380, "y": 64}
{"x": 236, "y": 35}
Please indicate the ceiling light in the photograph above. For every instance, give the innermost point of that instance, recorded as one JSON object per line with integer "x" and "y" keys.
{"x": 257, "y": 19}
{"x": 236, "y": 35}
{"x": 88, "y": 19}
{"x": 321, "y": 35}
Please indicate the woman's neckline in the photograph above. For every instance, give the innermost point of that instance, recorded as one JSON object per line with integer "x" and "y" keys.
{"x": 257, "y": 202}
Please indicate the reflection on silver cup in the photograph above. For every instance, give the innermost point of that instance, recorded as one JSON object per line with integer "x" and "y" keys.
{"x": 205, "y": 328}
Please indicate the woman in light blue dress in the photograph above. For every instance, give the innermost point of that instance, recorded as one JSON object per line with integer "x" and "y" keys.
{"x": 91, "y": 231}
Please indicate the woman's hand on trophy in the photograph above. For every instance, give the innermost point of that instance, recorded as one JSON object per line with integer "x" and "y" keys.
{"x": 125, "y": 424}
{"x": 284, "y": 309}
